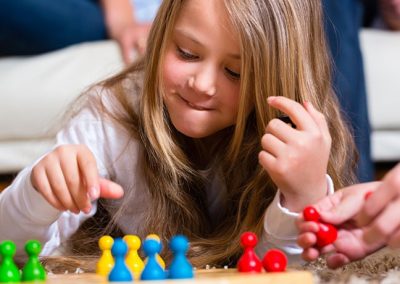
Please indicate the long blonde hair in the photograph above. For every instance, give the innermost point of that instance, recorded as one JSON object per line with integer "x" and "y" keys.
{"x": 283, "y": 53}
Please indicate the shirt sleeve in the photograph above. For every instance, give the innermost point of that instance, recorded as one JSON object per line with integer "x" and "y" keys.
{"x": 25, "y": 214}
{"x": 280, "y": 230}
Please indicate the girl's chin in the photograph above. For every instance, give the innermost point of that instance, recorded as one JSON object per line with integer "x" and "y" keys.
{"x": 191, "y": 132}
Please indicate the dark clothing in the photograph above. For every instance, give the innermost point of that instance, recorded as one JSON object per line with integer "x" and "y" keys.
{"x": 29, "y": 27}
{"x": 370, "y": 12}
{"x": 343, "y": 21}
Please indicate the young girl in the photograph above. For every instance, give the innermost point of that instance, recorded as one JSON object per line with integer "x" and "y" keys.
{"x": 187, "y": 140}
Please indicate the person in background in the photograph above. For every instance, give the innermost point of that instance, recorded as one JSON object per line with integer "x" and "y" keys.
{"x": 343, "y": 20}
{"x": 30, "y": 27}
{"x": 390, "y": 13}
{"x": 383, "y": 14}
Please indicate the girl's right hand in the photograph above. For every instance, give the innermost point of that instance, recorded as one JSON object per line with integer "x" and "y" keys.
{"x": 68, "y": 179}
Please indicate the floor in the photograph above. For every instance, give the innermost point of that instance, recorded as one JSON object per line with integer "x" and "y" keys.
{"x": 381, "y": 170}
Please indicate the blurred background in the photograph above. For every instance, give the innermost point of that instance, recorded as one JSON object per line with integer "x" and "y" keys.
{"x": 51, "y": 51}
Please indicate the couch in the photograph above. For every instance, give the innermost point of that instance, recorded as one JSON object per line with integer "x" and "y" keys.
{"x": 35, "y": 91}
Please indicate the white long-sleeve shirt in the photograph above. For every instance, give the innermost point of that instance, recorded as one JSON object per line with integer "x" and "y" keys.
{"x": 25, "y": 214}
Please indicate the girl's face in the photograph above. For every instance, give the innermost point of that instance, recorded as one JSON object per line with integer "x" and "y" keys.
{"x": 201, "y": 70}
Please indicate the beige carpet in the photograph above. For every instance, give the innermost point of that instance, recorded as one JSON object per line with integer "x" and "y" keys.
{"x": 381, "y": 267}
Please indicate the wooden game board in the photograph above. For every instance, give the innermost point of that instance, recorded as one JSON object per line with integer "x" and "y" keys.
{"x": 219, "y": 276}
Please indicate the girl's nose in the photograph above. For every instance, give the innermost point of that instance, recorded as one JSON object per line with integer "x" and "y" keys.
{"x": 203, "y": 82}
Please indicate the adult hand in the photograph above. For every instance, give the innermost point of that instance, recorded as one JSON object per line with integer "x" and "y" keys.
{"x": 122, "y": 27}
{"x": 339, "y": 209}
{"x": 390, "y": 11}
{"x": 379, "y": 214}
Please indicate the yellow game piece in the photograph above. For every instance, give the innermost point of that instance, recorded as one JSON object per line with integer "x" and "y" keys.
{"x": 106, "y": 261}
{"x": 133, "y": 259}
{"x": 160, "y": 261}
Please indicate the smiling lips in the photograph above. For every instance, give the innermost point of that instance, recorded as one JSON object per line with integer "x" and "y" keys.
{"x": 196, "y": 107}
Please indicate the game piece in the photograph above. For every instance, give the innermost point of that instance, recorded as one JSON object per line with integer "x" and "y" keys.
{"x": 9, "y": 272}
{"x": 367, "y": 195}
{"x": 311, "y": 214}
{"x": 133, "y": 259}
{"x": 274, "y": 261}
{"x": 152, "y": 269}
{"x": 158, "y": 257}
{"x": 120, "y": 272}
{"x": 33, "y": 269}
{"x": 326, "y": 234}
{"x": 249, "y": 262}
{"x": 106, "y": 261}
{"x": 180, "y": 267}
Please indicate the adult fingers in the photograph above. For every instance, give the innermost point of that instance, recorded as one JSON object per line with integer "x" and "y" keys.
{"x": 387, "y": 191}
{"x": 344, "y": 204}
{"x": 127, "y": 46}
{"x": 384, "y": 226}
{"x": 394, "y": 240}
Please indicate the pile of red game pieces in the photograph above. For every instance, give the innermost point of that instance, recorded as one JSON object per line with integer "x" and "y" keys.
{"x": 273, "y": 261}
{"x": 327, "y": 233}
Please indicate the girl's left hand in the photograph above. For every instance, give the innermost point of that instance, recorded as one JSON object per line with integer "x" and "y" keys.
{"x": 297, "y": 158}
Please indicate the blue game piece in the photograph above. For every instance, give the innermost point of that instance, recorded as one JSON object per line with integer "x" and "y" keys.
{"x": 180, "y": 267}
{"x": 120, "y": 271}
{"x": 152, "y": 270}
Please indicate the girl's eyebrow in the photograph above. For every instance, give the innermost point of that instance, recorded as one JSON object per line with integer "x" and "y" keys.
{"x": 188, "y": 35}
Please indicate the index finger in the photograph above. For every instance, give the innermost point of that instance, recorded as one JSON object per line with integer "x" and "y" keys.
{"x": 382, "y": 196}
{"x": 344, "y": 204}
{"x": 88, "y": 170}
{"x": 297, "y": 113}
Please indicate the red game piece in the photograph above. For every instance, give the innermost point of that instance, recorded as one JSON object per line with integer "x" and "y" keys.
{"x": 367, "y": 195}
{"x": 274, "y": 261}
{"x": 326, "y": 235}
{"x": 249, "y": 262}
{"x": 311, "y": 214}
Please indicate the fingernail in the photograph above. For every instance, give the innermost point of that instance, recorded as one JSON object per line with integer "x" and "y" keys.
{"x": 270, "y": 99}
{"x": 87, "y": 209}
{"x": 94, "y": 193}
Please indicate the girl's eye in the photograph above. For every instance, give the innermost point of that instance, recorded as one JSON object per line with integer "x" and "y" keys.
{"x": 186, "y": 55}
{"x": 233, "y": 75}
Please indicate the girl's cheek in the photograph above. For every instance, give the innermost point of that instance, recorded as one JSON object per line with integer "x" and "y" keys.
{"x": 172, "y": 67}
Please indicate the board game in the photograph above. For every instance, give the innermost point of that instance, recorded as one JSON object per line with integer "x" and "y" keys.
{"x": 206, "y": 276}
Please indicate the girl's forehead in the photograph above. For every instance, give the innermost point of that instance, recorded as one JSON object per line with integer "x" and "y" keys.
{"x": 209, "y": 18}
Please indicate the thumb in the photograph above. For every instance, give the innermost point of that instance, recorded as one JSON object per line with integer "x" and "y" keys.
{"x": 110, "y": 190}
{"x": 342, "y": 211}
